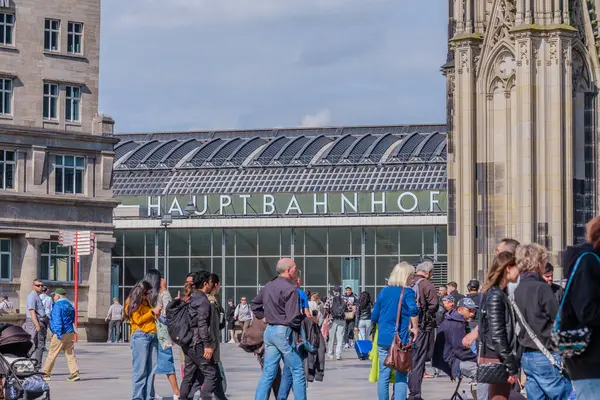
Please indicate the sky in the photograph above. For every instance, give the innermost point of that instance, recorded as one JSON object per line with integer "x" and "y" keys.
{"x": 178, "y": 65}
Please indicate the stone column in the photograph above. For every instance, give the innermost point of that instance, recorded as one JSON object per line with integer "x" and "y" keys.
{"x": 30, "y": 261}
{"x": 99, "y": 298}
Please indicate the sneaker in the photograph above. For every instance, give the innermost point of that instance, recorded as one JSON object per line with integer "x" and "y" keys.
{"x": 330, "y": 358}
{"x": 74, "y": 378}
{"x": 175, "y": 397}
{"x": 47, "y": 378}
{"x": 338, "y": 358}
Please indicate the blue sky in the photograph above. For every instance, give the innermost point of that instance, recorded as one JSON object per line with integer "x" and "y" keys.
{"x": 228, "y": 64}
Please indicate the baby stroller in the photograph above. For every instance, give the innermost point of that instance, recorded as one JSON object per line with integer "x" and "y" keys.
{"x": 21, "y": 377}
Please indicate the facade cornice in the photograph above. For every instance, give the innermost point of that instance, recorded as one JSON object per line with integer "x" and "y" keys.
{"x": 543, "y": 28}
{"x": 74, "y": 200}
{"x": 474, "y": 37}
{"x": 24, "y": 131}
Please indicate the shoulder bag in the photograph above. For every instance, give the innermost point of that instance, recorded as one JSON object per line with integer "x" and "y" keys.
{"x": 490, "y": 373}
{"x": 572, "y": 342}
{"x": 536, "y": 340}
{"x": 399, "y": 356}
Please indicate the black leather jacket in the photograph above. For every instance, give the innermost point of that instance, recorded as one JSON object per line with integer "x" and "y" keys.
{"x": 497, "y": 329}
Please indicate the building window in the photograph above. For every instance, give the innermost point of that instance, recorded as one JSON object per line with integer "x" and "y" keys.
{"x": 73, "y": 101}
{"x": 50, "y": 100}
{"x": 75, "y": 30}
{"x": 56, "y": 262}
{"x": 7, "y": 24}
{"x": 7, "y": 169}
{"x": 51, "y": 35}
{"x": 5, "y": 267}
{"x": 5, "y": 96}
{"x": 69, "y": 174}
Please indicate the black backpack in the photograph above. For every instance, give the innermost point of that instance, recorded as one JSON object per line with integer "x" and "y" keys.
{"x": 338, "y": 308}
{"x": 178, "y": 322}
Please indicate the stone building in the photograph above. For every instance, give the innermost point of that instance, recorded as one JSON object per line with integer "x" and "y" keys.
{"x": 522, "y": 130}
{"x": 56, "y": 153}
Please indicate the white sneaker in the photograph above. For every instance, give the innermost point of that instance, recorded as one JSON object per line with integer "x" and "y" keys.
{"x": 175, "y": 397}
{"x": 157, "y": 397}
{"x": 330, "y": 357}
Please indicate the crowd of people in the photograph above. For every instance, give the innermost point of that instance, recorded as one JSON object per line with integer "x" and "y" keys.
{"x": 502, "y": 334}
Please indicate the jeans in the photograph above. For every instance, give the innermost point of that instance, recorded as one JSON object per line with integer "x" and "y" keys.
{"x": 278, "y": 344}
{"x": 421, "y": 351}
{"x": 114, "y": 330}
{"x": 336, "y": 334}
{"x": 586, "y": 388}
{"x": 144, "y": 348}
{"x": 364, "y": 329}
{"x": 383, "y": 384}
{"x": 543, "y": 379}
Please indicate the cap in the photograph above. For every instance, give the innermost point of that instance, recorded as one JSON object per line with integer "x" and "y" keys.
{"x": 337, "y": 288}
{"x": 60, "y": 291}
{"x": 448, "y": 298}
{"x": 473, "y": 284}
{"x": 467, "y": 302}
{"x": 5, "y": 297}
{"x": 348, "y": 287}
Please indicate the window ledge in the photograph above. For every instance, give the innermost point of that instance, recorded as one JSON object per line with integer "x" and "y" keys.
{"x": 8, "y": 48}
{"x": 65, "y": 284}
{"x": 50, "y": 121}
{"x": 68, "y": 56}
{"x": 6, "y": 117}
{"x": 73, "y": 123}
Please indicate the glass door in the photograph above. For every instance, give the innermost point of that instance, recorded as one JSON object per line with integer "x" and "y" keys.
{"x": 351, "y": 273}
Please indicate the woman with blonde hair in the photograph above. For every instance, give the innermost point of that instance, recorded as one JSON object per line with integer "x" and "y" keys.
{"x": 536, "y": 308}
{"x": 384, "y": 314}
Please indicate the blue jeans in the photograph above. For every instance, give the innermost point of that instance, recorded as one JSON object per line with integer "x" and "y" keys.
{"x": 286, "y": 382}
{"x": 278, "y": 344}
{"x": 336, "y": 334}
{"x": 144, "y": 348}
{"x": 383, "y": 383}
{"x": 543, "y": 379}
{"x": 587, "y": 388}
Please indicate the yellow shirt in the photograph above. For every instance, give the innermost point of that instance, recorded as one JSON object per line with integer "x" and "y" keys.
{"x": 142, "y": 318}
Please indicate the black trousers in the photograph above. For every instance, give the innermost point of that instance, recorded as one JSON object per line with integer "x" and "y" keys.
{"x": 349, "y": 331}
{"x": 421, "y": 350}
{"x": 206, "y": 372}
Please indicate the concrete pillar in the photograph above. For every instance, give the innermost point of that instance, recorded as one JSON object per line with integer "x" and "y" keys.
{"x": 30, "y": 261}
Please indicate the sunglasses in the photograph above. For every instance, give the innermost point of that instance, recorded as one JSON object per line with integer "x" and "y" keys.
{"x": 40, "y": 285}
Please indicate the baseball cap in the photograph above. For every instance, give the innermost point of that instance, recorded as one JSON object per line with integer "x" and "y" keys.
{"x": 348, "y": 287}
{"x": 467, "y": 302}
{"x": 473, "y": 284}
{"x": 448, "y": 298}
{"x": 60, "y": 291}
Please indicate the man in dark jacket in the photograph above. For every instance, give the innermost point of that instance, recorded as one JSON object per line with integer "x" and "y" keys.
{"x": 549, "y": 278}
{"x": 453, "y": 291}
{"x": 202, "y": 348}
{"x": 582, "y": 308}
{"x": 449, "y": 354}
{"x": 427, "y": 303}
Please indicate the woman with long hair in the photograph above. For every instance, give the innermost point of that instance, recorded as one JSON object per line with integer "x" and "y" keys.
{"x": 154, "y": 278}
{"x": 497, "y": 335}
{"x": 363, "y": 316}
{"x": 165, "y": 364}
{"x": 144, "y": 343}
{"x": 384, "y": 314}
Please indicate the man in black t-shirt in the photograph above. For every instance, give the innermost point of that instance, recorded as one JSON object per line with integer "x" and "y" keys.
{"x": 549, "y": 277}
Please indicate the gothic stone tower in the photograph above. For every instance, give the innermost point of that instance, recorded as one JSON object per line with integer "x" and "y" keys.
{"x": 522, "y": 79}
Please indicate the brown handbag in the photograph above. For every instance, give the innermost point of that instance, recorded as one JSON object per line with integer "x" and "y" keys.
{"x": 399, "y": 356}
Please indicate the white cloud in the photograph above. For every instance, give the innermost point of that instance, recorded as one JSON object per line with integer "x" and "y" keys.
{"x": 321, "y": 118}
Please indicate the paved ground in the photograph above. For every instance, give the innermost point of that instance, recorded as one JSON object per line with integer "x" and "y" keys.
{"x": 106, "y": 374}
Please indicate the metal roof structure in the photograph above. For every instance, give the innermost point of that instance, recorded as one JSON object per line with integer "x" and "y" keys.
{"x": 330, "y": 159}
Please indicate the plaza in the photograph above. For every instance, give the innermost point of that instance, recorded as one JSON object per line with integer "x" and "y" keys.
{"x": 106, "y": 374}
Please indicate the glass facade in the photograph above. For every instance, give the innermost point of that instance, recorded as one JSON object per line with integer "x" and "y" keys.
{"x": 246, "y": 258}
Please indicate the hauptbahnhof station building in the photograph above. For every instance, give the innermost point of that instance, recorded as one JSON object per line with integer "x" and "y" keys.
{"x": 346, "y": 203}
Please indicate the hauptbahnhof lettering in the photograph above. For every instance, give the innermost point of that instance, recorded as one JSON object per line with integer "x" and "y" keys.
{"x": 346, "y": 203}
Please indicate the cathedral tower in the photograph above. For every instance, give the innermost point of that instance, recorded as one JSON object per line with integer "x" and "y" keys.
{"x": 522, "y": 79}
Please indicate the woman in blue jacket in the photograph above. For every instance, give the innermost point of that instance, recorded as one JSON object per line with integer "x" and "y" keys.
{"x": 384, "y": 315}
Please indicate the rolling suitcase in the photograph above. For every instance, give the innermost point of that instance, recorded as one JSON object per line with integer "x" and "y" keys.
{"x": 363, "y": 348}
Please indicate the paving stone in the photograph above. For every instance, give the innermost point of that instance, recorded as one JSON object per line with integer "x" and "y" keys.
{"x": 106, "y": 374}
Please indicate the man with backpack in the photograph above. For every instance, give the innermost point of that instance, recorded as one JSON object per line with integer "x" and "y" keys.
{"x": 427, "y": 303}
{"x": 335, "y": 310}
